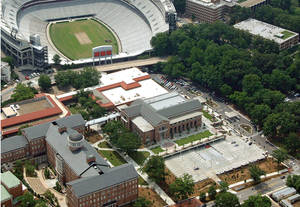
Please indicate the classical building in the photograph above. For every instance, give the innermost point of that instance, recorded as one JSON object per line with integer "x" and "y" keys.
{"x": 161, "y": 117}
{"x": 89, "y": 179}
{"x": 283, "y": 37}
{"x": 208, "y": 11}
{"x": 11, "y": 189}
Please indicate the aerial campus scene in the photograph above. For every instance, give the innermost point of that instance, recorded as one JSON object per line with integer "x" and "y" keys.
{"x": 150, "y": 103}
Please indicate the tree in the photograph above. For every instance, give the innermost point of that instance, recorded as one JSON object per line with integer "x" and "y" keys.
{"x": 9, "y": 60}
{"x": 22, "y": 92}
{"x": 202, "y": 196}
{"x": 257, "y": 201}
{"x": 44, "y": 82}
{"x": 212, "y": 192}
{"x": 227, "y": 199}
{"x": 128, "y": 141}
{"x": 280, "y": 156}
{"x": 47, "y": 173}
{"x": 293, "y": 181}
{"x": 155, "y": 168}
{"x": 292, "y": 142}
{"x": 182, "y": 187}
{"x": 142, "y": 202}
{"x": 161, "y": 44}
{"x": 56, "y": 59}
{"x": 226, "y": 90}
{"x": 259, "y": 113}
{"x": 57, "y": 187}
{"x": 255, "y": 173}
{"x": 251, "y": 83}
{"x": 27, "y": 200}
{"x": 223, "y": 186}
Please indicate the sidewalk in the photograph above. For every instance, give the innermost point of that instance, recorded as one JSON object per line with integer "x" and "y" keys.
{"x": 152, "y": 184}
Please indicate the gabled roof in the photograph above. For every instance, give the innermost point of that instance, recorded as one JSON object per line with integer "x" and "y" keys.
{"x": 114, "y": 176}
{"x": 9, "y": 180}
{"x": 36, "y": 131}
{"x": 71, "y": 121}
{"x": 13, "y": 143}
{"x": 180, "y": 108}
{"x": 151, "y": 115}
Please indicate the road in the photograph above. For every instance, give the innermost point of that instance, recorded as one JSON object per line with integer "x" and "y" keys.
{"x": 6, "y": 93}
{"x": 262, "y": 188}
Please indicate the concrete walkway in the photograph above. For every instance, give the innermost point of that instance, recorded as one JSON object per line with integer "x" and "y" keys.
{"x": 152, "y": 184}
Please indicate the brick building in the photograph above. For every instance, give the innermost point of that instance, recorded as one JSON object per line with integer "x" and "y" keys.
{"x": 89, "y": 179}
{"x": 11, "y": 188}
{"x": 284, "y": 38}
{"x": 208, "y": 11}
{"x": 162, "y": 117}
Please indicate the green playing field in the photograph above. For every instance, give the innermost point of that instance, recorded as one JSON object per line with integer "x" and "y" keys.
{"x": 77, "y": 38}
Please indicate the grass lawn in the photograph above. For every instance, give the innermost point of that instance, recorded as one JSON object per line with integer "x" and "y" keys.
{"x": 112, "y": 156}
{"x": 139, "y": 157}
{"x": 104, "y": 145}
{"x": 194, "y": 137}
{"x": 63, "y": 36}
{"x": 286, "y": 34}
{"x": 157, "y": 150}
{"x": 207, "y": 115}
{"x": 142, "y": 181}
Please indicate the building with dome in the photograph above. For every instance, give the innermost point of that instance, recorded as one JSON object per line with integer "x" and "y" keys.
{"x": 89, "y": 179}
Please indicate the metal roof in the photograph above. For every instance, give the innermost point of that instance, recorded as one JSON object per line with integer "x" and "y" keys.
{"x": 76, "y": 159}
{"x": 114, "y": 176}
{"x": 13, "y": 143}
{"x": 71, "y": 121}
{"x": 9, "y": 179}
{"x": 180, "y": 108}
{"x": 36, "y": 131}
{"x": 4, "y": 194}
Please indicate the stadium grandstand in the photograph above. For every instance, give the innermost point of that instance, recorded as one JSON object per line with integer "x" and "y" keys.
{"x": 24, "y": 25}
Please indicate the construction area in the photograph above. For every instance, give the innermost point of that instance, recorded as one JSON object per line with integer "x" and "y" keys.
{"x": 216, "y": 158}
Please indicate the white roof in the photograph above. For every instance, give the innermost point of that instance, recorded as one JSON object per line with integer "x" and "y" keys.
{"x": 264, "y": 30}
{"x": 8, "y": 111}
{"x": 148, "y": 88}
{"x": 230, "y": 114}
{"x": 142, "y": 124}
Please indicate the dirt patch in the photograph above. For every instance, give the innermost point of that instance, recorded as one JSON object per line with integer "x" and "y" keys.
{"x": 82, "y": 38}
{"x": 34, "y": 106}
{"x": 93, "y": 137}
{"x": 297, "y": 204}
{"x": 268, "y": 165}
{"x": 152, "y": 196}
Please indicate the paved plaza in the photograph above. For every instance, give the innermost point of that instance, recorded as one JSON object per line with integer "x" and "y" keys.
{"x": 219, "y": 157}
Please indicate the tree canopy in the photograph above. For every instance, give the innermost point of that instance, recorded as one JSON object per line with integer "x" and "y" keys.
{"x": 293, "y": 181}
{"x": 183, "y": 187}
{"x": 121, "y": 137}
{"x": 56, "y": 59}
{"x": 44, "y": 82}
{"x": 142, "y": 202}
{"x": 89, "y": 76}
{"x": 155, "y": 168}
{"x": 255, "y": 173}
{"x": 257, "y": 201}
{"x": 23, "y": 92}
{"x": 226, "y": 199}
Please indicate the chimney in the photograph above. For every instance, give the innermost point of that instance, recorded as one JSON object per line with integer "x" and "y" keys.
{"x": 90, "y": 158}
{"x": 62, "y": 130}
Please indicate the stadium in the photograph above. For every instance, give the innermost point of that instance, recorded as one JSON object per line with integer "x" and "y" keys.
{"x": 31, "y": 30}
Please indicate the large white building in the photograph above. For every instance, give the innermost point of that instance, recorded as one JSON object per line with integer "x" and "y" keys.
{"x": 283, "y": 37}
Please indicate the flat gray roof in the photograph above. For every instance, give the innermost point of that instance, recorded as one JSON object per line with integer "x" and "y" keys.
{"x": 113, "y": 176}
{"x": 165, "y": 100}
{"x": 13, "y": 143}
{"x": 265, "y": 30}
{"x": 250, "y": 3}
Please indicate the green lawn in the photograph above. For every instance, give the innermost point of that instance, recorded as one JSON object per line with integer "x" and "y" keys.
{"x": 139, "y": 157}
{"x": 63, "y": 37}
{"x": 104, "y": 145}
{"x": 142, "y": 181}
{"x": 194, "y": 137}
{"x": 207, "y": 115}
{"x": 112, "y": 156}
{"x": 286, "y": 34}
{"x": 157, "y": 150}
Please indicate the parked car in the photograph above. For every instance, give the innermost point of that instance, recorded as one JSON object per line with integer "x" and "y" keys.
{"x": 27, "y": 78}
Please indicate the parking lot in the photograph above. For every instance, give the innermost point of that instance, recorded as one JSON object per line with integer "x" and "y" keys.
{"x": 217, "y": 158}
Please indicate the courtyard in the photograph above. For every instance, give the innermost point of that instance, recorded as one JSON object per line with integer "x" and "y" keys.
{"x": 210, "y": 160}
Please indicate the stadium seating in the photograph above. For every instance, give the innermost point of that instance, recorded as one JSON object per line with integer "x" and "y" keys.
{"x": 133, "y": 21}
